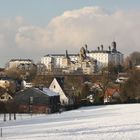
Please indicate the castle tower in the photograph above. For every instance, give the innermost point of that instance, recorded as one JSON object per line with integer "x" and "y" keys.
{"x": 114, "y": 46}
{"x": 66, "y": 55}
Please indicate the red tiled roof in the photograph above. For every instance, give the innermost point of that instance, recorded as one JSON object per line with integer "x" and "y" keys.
{"x": 111, "y": 91}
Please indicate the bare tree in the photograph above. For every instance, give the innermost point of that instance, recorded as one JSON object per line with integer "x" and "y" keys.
{"x": 130, "y": 91}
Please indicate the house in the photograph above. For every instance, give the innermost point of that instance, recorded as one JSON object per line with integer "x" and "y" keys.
{"x": 112, "y": 95}
{"x": 4, "y": 95}
{"x": 37, "y": 100}
{"x": 122, "y": 78}
{"x": 66, "y": 94}
{"x": 26, "y": 84}
{"x": 138, "y": 67}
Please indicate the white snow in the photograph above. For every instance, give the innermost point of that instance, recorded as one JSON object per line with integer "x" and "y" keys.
{"x": 49, "y": 92}
{"x": 108, "y": 122}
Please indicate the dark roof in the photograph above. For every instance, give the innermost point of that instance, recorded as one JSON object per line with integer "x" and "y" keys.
{"x": 5, "y": 78}
{"x": 23, "y": 97}
{"x": 103, "y": 51}
{"x": 21, "y": 60}
{"x": 60, "y": 55}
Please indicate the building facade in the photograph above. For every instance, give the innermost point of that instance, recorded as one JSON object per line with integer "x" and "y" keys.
{"x": 88, "y": 61}
{"x": 57, "y": 60}
{"x": 37, "y": 100}
{"x": 105, "y": 57}
{"x": 20, "y": 63}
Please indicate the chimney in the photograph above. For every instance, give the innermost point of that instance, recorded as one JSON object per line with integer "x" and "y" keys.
{"x": 102, "y": 47}
{"x": 114, "y": 46}
{"x": 109, "y": 48}
{"x": 66, "y": 55}
{"x": 86, "y": 47}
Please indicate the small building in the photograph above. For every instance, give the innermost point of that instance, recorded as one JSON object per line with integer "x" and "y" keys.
{"x": 112, "y": 95}
{"x": 35, "y": 100}
{"x": 122, "y": 78}
{"x": 138, "y": 67}
{"x": 66, "y": 95}
{"x": 27, "y": 84}
{"x": 4, "y": 95}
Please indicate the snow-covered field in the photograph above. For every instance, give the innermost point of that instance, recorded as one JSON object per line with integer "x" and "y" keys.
{"x": 108, "y": 122}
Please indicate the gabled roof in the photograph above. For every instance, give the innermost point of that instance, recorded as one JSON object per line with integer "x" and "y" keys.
{"x": 111, "y": 91}
{"x": 48, "y": 92}
{"x": 55, "y": 55}
{"x": 39, "y": 96}
{"x": 4, "y": 91}
{"x": 67, "y": 91}
{"x": 12, "y": 60}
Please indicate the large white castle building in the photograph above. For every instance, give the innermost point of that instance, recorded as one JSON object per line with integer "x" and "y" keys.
{"x": 105, "y": 57}
{"x": 101, "y": 56}
{"x": 57, "y": 60}
{"x": 15, "y": 63}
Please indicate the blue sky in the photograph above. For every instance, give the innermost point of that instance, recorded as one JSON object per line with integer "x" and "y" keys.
{"x": 33, "y": 28}
{"x": 41, "y": 11}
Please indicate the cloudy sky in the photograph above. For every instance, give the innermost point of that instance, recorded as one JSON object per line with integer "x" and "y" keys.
{"x": 34, "y": 28}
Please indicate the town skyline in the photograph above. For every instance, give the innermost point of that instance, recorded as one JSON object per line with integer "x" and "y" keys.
{"x": 36, "y": 28}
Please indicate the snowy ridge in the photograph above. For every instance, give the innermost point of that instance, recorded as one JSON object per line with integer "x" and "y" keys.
{"x": 117, "y": 122}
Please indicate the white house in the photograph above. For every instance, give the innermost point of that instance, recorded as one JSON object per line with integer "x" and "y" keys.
{"x": 57, "y": 86}
{"x": 138, "y": 67}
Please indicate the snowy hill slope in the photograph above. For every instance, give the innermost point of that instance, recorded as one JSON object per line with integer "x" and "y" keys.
{"x": 112, "y": 122}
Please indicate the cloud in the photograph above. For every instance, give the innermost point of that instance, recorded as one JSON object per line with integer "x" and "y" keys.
{"x": 71, "y": 30}
{"x": 30, "y": 37}
{"x": 95, "y": 26}
{"x": 91, "y": 25}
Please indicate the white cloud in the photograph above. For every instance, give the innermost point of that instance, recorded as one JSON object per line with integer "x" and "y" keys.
{"x": 91, "y": 25}
{"x": 71, "y": 30}
{"x": 94, "y": 26}
{"x": 30, "y": 37}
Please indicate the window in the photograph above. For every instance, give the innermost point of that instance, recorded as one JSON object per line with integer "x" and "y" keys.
{"x": 2, "y": 97}
{"x": 54, "y": 86}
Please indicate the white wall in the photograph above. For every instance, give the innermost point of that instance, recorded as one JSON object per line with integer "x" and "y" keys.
{"x": 56, "y": 88}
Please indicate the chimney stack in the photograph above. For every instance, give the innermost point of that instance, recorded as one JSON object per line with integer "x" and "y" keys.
{"x": 102, "y": 47}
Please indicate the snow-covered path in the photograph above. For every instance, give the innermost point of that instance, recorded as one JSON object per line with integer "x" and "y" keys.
{"x": 112, "y": 122}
